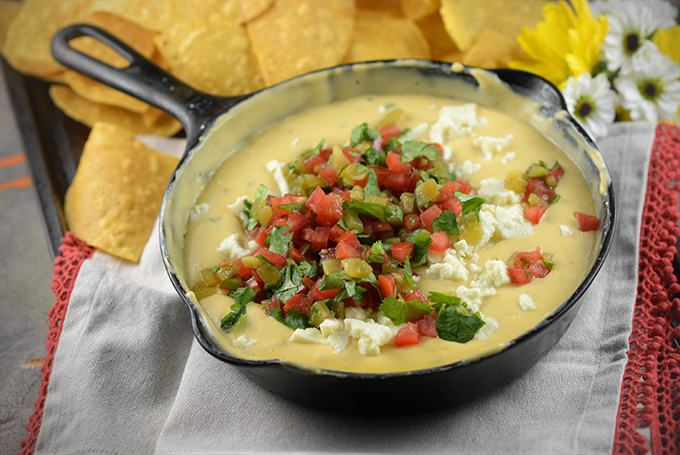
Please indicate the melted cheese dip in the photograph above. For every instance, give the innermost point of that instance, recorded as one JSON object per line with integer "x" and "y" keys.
{"x": 245, "y": 170}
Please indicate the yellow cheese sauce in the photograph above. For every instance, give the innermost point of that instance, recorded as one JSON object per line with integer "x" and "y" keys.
{"x": 245, "y": 170}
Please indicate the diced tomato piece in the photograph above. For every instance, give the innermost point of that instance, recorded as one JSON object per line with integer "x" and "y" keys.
{"x": 370, "y": 298}
{"x": 413, "y": 180}
{"x": 259, "y": 235}
{"x": 253, "y": 283}
{"x": 329, "y": 175}
{"x": 412, "y": 222}
{"x": 387, "y": 284}
{"x": 519, "y": 276}
{"x": 556, "y": 173}
{"x": 353, "y": 155}
{"x": 400, "y": 251}
{"x": 429, "y": 215}
{"x": 448, "y": 191}
{"x": 314, "y": 162}
{"x": 378, "y": 143}
{"x": 308, "y": 234}
{"x": 538, "y": 269}
{"x": 299, "y": 302}
{"x": 274, "y": 304}
{"x": 320, "y": 239}
{"x": 317, "y": 201}
{"x": 540, "y": 189}
{"x": 534, "y": 213}
{"x": 588, "y": 222}
{"x": 407, "y": 336}
{"x": 336, "y": 233}
{"x": 328, "y": 253}
{"x": 465, "y": 187}
{"x": 345, "y": 250}
{"x": 528, "y": 256}
{"x": 272, "y": 257}
{"x": 421, "y": 163}
{"x": 309, "y": 282}
{"x": 440, "y": 242}
{"x": 415, "y": 295}
{"x": 286, "y": 199}
{"x": 297, "y": 221}
{"x": 388, "y": 131}
{"x": 352, "y": 302}
{"x": 316, "y": 294}
{"x": 350, "y": 237}
{"x": 394, "y": 164}
{"x": 242, "y": 270}
{"x": 427, "y": 326}
{"x": 396, "y": 181}
{"x": 454, "y": 206}
{"x": 376, "y": 227}
{"x": 333, "y": 211}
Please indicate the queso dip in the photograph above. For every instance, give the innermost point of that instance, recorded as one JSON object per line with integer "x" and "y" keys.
{"x": 451, "y": 181}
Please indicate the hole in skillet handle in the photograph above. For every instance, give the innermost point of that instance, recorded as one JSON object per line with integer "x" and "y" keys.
{"x": 142, "y": 79}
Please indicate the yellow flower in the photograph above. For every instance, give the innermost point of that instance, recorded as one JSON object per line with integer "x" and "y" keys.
{"x": 565, "y": 44}
{"x": 668, "y": 41}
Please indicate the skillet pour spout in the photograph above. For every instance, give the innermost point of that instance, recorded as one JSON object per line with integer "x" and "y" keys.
{"x": 217, "y": 126}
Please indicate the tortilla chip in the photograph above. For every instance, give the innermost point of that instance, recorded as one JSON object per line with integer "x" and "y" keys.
{"x": 99, "y": 93}
{"x": 466, "y": 20}
{"x": 214, "y": 57}
{"x": 493, "y": 50}
{"x": 434, "y": 32}
{"x": 377, "y": 4}
{"x": 27, "y": 44}
{"x": 418, "y": 9}
{"x": 116, "y": 194}
{"x": 378, "y": 37}
{"x": 298, "y": 36}
{"x": 161, "y": 15}
{"x": 89, "y": 113}
{"x": 8, "y": 11}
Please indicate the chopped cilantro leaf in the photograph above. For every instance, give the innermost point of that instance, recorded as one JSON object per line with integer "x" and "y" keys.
{"x": 308, "y": 269}
{"x": 401, "y": 311}
{"x": 379, "y": 211}
{"x": 371, "y": 188}
{"x": 421, "y": 240}
{"x": 438, "y": 299}
{"x": 363, "y": 133}
{"x": 411, "y": 150}
{"x": 391, "y": 145}
{"x": 278, "y": 241}
{"x": 457, "y": 323}
{"x": 242, "y": 296}
{"x": 262, "y": 192}
{"x": 376, "y": 254}
{"x": 446, "y": 222}
{"x": 291, "y": 278}
{"x": 470, "y": 203}
{"x": 375, "y": 157}
{"x": 293, "y": 207}
{"x": 441, "y": 176}
{"x": 315, "y": 151}
{"x": 409, "y": 273}
{"x": 293, "y": 319}
{"x": 215, "y": 268}
{"x": 333, "y": 280}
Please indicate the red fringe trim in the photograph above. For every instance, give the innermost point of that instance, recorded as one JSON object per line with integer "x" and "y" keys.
{"x": 650, "y": 392}
{"x": 66, "y": 267}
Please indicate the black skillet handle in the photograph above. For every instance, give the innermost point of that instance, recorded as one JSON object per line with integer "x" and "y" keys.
{"x": 142, "y": 79}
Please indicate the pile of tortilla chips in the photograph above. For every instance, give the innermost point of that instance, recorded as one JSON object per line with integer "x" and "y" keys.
{"x": 229, "y": 48}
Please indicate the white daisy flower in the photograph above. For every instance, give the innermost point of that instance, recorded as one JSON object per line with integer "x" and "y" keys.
{"x": 630, "y": 25}
{"x": 591, "y": 101}
{"x": 663, "y": 12}
{"x": 653, "y": 92}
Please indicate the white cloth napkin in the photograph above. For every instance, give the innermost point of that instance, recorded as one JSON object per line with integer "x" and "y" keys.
{"x": 129, "y": 377}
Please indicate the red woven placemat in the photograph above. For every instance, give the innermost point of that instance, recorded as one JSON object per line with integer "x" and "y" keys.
{"x": 650, "y": 392}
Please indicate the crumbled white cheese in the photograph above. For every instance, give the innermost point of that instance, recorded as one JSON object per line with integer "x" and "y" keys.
{"x": 452, "y": 268}
{"x": 487, "y": 329}
{"x": 462, "y": 248}
{"x": 356, "y": 313}
{"x": 473, "y": 296}
{"x": 492, "y": 145}
{"x": 238, "y": 207}
{"x": 237, "y": 246}
{"x": 488, "y": 222}
{"x": 277, "y": 168}
{"x": 494, "y": 192}
{"x": 295, "y": 142}
{"x": 370, "y": 335}
{"x": 243, "y": 342}
{"x": 414, "y": 133}
{"x": 508, "y": 157}
{"x": 198, "y": 211}
{"x": 334, "y": 331}
{"x": 447, "y": 154}
{"x": 495, "y": 274}
{"x": 526, "y": 302}
{"x": 466, "y": 169}
{"x": 381, "y": 109}
{"x": 565, "y": 230}
{"x": 456, "y": 122}
{"x": 474, "y": 268}
{"x": 309, "y": 335}
{"x": 511, "y": 222}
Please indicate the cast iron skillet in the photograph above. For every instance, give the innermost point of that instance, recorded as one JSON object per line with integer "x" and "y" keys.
{"x": 215, "y": 126}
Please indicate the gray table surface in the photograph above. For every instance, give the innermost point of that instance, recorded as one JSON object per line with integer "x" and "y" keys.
{"x": 25, "y": 289}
